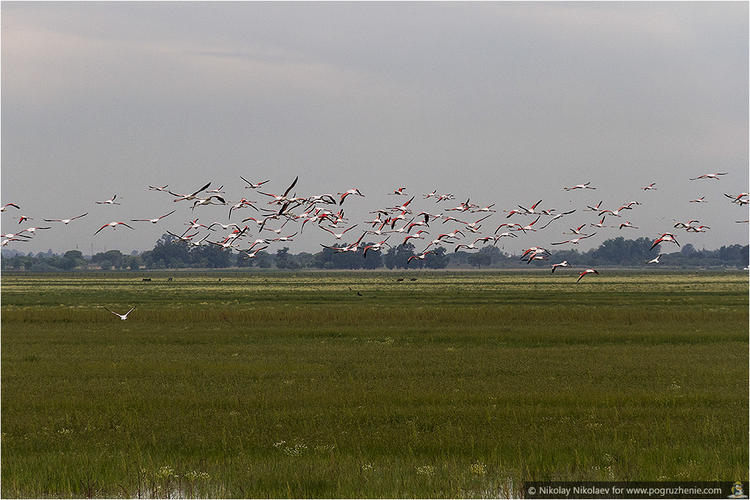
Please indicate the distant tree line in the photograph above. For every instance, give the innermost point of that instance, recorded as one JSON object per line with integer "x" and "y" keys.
{"x": 171, "y": 253}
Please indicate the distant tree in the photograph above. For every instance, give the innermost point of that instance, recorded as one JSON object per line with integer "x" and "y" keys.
{"x": 398, "y": 256}
{"x": 72, "y": 259}
{"x": 479, "y": 259}
{"x": 282, "y": 258}
{"x": 373, "y": 260}
{"x": 688, "y": 250}
{"x": 437, "y": 260}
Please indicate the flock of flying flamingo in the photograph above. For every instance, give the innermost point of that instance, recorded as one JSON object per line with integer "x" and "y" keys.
{"x": 393, "y": 225}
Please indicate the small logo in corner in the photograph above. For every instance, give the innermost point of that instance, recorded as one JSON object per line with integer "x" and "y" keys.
{"x": 737, "y": 490}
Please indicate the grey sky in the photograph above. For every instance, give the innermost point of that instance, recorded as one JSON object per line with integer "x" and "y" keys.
{"x": 504, "y": 103}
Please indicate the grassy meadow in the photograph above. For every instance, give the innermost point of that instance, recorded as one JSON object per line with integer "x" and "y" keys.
{"x": 360, "y": 385}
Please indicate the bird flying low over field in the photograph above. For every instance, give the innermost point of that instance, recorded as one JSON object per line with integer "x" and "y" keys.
{"x": 586, "y": 272}
{"x": 655, "y": 260}
{"x": 561, "y": 264}
{"x": 122, "y": 316}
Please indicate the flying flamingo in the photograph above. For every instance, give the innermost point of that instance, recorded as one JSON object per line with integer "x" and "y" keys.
{"x": 485, "y": 239}
{"x": 66, "y": 221}
{"x": 254, "y": 254}
{"x": 506, "y": 234}
{"x": 599, "y": 224}
{"x": 577, "y": 230}
{"x": 250, "y": 185}
{"x": 584, "y": 273}
{"x": 488, "y": 208}
{"x": 702, "y": 199}
{"x": 709, "y": 176}
{"x": 453, "y": 219}
{"x": 207, "y": 201}
{"x": 421, "y": 256}
{"x": 685, "y": 224}
{"x": 474, "y": 225}
{"x": 738, "y": 198}
{"x": 627, "y": 224}
{"x": 4, "y": 207}
{"x": 12, "y": 236}
{"x": 338, "y": 235}
{"x": 513, "y": 212}
{"x": 113, "y": 225}
{"x": 615, "y": 213}
{"x": 450, "y": 235}
{"x": 33, "y": 230}
{"x": 242, "y": 203}
{"x": 225, "y": 227}
{"x": 575, "y": 240}
{"x": 532, "y": 210}
{"x": 538, "y": 256}
{"x": 417, "y": 235}
{"x": 184, "y": 237}
{"x": 655, "y": 260}
{"x": 650, "y": 187}
{"x": 555, "y": 217}
{"x": 534, "y": 251}
{"x": 122, "y": 316}
{"x": 8, "y": 240}
{"x": 194, "y": 224}
{"x": 350, "y": 248}
{"x": 463, "y": 207}
{"x": 354, "y": 191}
{"x": 375, "y": 246}
{"x": 153, "y": 221}
{"x": 110, "y": 201}
{"x": 468, "y": 247}
{"x": 579, "y": 186}
{"x": 561, "y": 264}
{"x": 528, "y": 227}
{"x": 192, "y": 196}
{"x": 285, "y": 238}
{"x": 595, "y": 208}
{"x": 665, "y": 237}
{"x": 401, "y": 208}
{"x": 418, "y": 223}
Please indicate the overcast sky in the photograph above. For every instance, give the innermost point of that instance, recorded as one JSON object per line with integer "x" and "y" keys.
{"x": 504, "y": 103}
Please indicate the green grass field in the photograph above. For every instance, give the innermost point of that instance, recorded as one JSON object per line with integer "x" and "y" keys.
{"x": 359, "y": 385}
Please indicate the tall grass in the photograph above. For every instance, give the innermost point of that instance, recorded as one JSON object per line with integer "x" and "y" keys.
{"x": 451, "y": 386}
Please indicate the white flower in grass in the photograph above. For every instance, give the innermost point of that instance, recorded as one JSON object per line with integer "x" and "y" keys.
{"x": 165, "y": 472}
{"x": 478, "y": 468}
{"x": 426, "y": 470}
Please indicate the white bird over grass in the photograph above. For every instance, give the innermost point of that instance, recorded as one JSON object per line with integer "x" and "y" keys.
{"x": 122, "y": 316}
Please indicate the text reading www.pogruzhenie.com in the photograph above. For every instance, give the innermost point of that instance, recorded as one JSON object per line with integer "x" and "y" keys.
{"x": 634, "y": 489}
